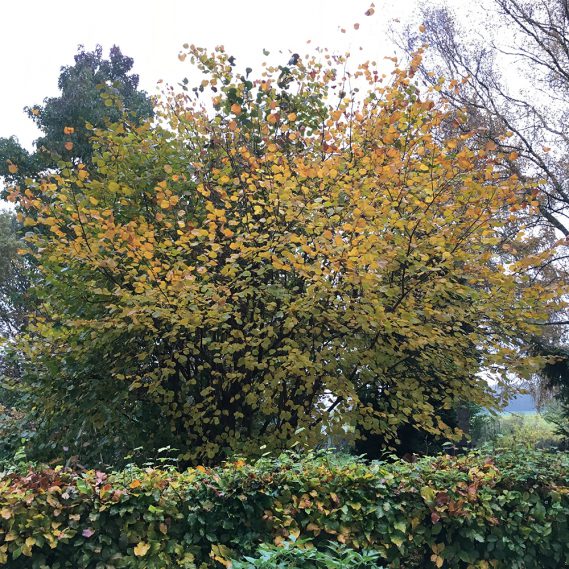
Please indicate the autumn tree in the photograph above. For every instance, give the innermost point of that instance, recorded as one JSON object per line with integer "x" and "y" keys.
{"x": 282, "y": 257}
{"x": 514, "y": 76}
{"x": 94, "y": 91}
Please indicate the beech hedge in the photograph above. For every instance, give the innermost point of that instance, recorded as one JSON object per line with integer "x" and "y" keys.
{"x": 469, "y": 511}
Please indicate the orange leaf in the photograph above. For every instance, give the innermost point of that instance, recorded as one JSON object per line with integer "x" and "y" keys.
{"x": 236, "y": 109}
{"x": 68, "y": 146}
{"x": 12, "y": 168}
{"x": 135, "y": 484}
{"x": 68, "y": 130}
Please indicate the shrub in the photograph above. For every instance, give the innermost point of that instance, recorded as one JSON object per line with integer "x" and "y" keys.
{"x": 511, "y": 430}
{"x": 462, "y": 512}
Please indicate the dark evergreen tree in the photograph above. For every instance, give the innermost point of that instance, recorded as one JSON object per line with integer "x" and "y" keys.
{"x": 94, "y": 92}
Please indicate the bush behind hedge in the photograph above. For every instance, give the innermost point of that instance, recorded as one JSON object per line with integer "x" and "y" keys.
{"x": 468, "y": 511}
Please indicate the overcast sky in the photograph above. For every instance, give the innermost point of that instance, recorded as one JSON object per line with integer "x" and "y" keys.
{"x": 38, "y": 37}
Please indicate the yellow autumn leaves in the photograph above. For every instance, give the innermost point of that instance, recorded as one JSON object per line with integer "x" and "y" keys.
{"x": 285, "y": 267}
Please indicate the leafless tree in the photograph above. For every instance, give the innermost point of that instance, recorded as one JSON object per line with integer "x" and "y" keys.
{"x": 516, "y": 69}
{"x": 510, "y": 72}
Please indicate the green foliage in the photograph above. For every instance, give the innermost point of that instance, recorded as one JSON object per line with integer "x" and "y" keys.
{"x": 300, "y": 555}
{"x": 15, "y": 297}
{"x": 16, "y": 305}
{"x": 94, "y": 92}
{"x": 460, "y": 513}
{"x": 557, "y": 414}
{"x": 15, "y": 161}
{"x": 514, "y": 430}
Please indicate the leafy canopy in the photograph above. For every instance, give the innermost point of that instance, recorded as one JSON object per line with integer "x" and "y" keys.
{"x": 93, "y": 92}
{"x": 282, "y": 260}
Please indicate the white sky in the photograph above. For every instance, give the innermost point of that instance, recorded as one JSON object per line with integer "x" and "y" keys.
{"x": 38, "y": 37}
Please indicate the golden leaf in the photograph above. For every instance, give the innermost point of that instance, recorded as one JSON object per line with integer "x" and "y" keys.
{"x": 141, "y": 549}
{"x": 222, "y": 554}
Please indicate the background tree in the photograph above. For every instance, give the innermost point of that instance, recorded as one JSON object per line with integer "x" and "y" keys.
{"x": 514, "y": 77}
{"x": 16, "y": 305}
{"x": 299, "y": 260}
{"x": 14, "y": 278}
{"x": 517, "y": 81}
{"x": 94, "y": 92}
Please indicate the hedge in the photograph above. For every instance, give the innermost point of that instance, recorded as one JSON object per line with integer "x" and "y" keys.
{"x": 468, "y": 511}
